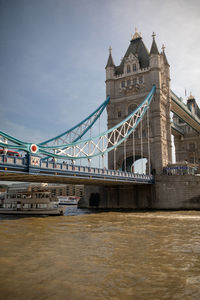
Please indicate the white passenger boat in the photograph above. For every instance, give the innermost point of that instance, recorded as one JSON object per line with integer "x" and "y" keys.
{"x": 31, "y": 203}
{"x": 68, "y": 200}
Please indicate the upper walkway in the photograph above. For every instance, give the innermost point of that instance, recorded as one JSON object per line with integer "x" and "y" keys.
{"x": 35, "y": 170}
{"x": 181, "y": 110}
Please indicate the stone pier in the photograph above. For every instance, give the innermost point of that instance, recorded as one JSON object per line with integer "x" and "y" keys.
{"x": 168, "y": 192}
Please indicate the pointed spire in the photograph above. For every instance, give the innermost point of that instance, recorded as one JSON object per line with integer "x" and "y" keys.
{"x": 163, "y": 48}
{"x": 110, "y": 62}
{"x": 136, "y": 35}
{"x": 164, "y": 55}
{"x": 154, "y": 48}
{"x": 191, "y": 97}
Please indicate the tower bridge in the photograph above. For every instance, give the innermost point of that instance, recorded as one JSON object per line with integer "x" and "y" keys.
{"x": 139, "y": 103}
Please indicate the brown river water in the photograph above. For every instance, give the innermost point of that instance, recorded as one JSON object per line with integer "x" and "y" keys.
{"x": 104, "y": 255}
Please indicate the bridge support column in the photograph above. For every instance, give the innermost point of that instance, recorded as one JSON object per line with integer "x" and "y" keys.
{"x": 116, "y": 197}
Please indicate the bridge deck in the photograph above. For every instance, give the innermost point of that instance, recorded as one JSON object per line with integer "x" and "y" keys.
{"x": 18, "y": 169}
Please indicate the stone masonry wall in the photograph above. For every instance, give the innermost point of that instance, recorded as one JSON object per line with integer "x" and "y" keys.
{"x": 177, "y": 192}
{"x": 116, "y": 197}
{"x": 168, "y": 192}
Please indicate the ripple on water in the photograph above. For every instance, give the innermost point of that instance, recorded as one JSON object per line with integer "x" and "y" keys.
{"x": 106, "y": 255}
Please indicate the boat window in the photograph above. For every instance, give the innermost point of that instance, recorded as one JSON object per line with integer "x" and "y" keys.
{"x": 42, "y": 205}
{"x": 26, "y": 205}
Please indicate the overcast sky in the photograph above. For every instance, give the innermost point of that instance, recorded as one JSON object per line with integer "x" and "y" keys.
{"x": 53, "y": 55}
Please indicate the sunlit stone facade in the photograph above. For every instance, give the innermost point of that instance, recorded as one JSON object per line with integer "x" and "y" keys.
{"x": 127, "y": 85}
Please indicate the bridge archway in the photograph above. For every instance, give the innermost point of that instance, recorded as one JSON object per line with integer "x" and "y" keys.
{"x": 137, "y": 165}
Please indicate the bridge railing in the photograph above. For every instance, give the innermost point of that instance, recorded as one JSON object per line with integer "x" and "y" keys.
{"x": 59, "y": 166}
{"x": 86, "y": 169}
{"x": 13, "y": 160}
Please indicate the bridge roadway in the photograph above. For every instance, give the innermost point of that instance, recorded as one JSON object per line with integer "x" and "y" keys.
{"x": 181, "y": 110}
{"x": 34, "y": 170}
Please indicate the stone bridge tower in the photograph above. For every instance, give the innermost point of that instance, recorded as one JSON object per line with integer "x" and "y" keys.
{"x": 127, "y": 85}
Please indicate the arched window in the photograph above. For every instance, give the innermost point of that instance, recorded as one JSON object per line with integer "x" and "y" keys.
{"x": 128, "y": 68}
{"x": 134, "y": 67}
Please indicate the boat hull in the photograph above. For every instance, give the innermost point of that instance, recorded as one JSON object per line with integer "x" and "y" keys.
{"x": 64, "y": 203}
{"x": 48, "y": 212}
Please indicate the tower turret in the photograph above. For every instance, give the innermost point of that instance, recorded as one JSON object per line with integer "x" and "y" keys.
{"x": 155, "y": 64}
{"x": 165, "y": 64}
{"x": 110, "y": 70}
{"x": 164, "y": 56}
{"x": 110, "y": 66}
{"x": 154, "y": 48}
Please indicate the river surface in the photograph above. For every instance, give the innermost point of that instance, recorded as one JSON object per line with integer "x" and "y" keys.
{"x": 106, "y": 255}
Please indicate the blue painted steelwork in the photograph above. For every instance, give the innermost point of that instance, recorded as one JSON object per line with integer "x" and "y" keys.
{"x": 17, "y": 144}
{"x": 24, "y": 146}
{"x": 178, "y": 108}
{"x": 79, "y": 147}
{"x": 99, "y": 111}
{"x": 128, "y": 125}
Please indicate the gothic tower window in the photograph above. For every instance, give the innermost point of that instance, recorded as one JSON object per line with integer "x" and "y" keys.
{"x": 128, "y": 82}
{"x": 128, "y": 68}
{"x": 123, "y": 84}
{"x": 134, "y": 81}
{"x": 134, "y": 67}
{"x": 119, "y": 114}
